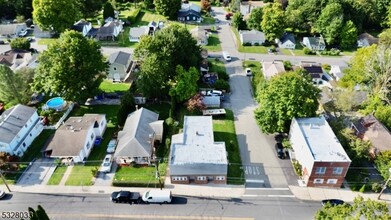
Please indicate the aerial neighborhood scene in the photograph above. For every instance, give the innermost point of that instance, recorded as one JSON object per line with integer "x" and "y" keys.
{"x": 182, "y": 109}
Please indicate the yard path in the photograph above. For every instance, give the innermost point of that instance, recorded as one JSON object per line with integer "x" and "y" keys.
{"x": 66, "y": 175}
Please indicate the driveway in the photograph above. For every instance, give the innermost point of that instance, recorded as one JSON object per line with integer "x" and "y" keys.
{"x": 38, "y": 172}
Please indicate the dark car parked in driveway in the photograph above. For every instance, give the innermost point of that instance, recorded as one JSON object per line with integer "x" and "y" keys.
{"x": 280, "y": 151}
{"x": 126, "y": 197}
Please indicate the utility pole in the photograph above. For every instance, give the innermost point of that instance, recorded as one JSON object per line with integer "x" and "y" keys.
{"x": 5, "y": 182}
{"x": 158, "y": 174}
{"x": 385, "y": 185}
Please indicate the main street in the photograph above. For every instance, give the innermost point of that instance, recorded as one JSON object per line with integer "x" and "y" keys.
{"x": 89, "y": 206}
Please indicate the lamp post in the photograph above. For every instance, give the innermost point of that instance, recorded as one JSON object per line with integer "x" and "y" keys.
{"x": 385, "y": 185}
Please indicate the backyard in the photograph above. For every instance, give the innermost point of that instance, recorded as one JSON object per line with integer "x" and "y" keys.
{"x": 108, "y": 86}
{"x": 214, "y": 44}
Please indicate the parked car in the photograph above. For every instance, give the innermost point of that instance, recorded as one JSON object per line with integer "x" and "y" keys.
{"x": 248, "y": 72}
{"x": 2, "y": 42}
{"x": 280, "y": 151}
{"x": 106, "y": 164}
{"x": 332, "y": 202}
{"x": 157, "y": 196}
{"x": 23, "y": 33}
{"x": 217, "y": 20}
{"x": 214, "y": 93}
{"x": 226, "y": 56}
{"x": 111, "y": 146}
{"x": 126, "y": 197}
{"x": 2, "y": 194}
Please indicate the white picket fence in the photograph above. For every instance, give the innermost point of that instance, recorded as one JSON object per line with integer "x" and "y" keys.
{"x": 54, "y": 127}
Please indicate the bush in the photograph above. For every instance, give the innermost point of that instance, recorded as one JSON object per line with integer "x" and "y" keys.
{"x": 256, "y": 44}
{"x": 326, "y": 67}
{"x": 273, "y": 48}
{"x": 267, "y": 44}
{"x": 308, "y": 51}
{"x": 297, "y": 167}
{"x": 247, "y": 44}
{"x": 376, "y": 187}
{"x": 223, "y": 75}
{"x": 362, "y": 189}
{"x": 222, "y": 85}
{"x": 20, "y": 43}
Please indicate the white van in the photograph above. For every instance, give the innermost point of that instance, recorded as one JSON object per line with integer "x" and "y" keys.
{"x": 157, "y": 196}
{"x": 226, "y": 56}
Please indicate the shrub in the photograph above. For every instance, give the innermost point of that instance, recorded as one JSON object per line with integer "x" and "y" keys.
{"x": 256, "y": 44}
{"x": 307, "y": 51}
{"x": 247, "y": 44}
{"x": 362, "y": 189}
{"x": 169, "y": 121}
{"x": 297, "y": 167}
{"x": 20, "y": 43}
{"x": 326, "y": 66}
{"x": 251, "y": 65}
{"x": 376, "y": 187}
{"x": 221, "y": 85}
{"x": 273, "y": 48}
{"x": 222, "y": 75}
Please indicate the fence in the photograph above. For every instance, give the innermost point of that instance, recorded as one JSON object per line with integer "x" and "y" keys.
{"x": 61, "y": 120}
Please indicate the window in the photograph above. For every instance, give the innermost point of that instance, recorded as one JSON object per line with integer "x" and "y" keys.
{"x": 332, "y": 181}
{"x": 179, "y": 178}
{"x": 318, "y": 181}
{"x": 320, "y": 170}
{"x": 92, "y": 136}
{"x": 201, "y": 178}
{"x": 337, "y": 170}
{"x": 24, "y": 144}
{"x": 25, "y": 125}
{"x": 31, "y": 135}
{"x": 115, "y": 68}
{"x": 88, "y": 145}
{"x": 220, "y": 177}
{"x": 101, "y": 124}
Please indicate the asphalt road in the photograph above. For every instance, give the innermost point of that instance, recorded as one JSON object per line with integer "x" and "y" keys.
{"x": 99, "y": 206}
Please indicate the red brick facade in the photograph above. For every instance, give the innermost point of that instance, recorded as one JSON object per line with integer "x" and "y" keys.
{"x": 198, "y": 179}
{"x": 331, "y": 174}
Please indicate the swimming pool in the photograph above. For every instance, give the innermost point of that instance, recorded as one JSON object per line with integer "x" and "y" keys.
{"x": 56, "y": 103}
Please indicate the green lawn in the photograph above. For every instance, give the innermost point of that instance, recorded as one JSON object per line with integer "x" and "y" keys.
{"x": 110, "y": 111}
{"x": 46, "y": 41}
{"x": 285, "y": 51}
{"x": 224, "y": 130}
{"x": 208, "y": 20}
{"x": 108, "y": 86}
{"x": 137, "y": 175}
{"x": 257, "y": 73}
{"x": 145, "y": 17}
{"x": 214, "y": 44}
{"x": 248, "y": 49}
{"x": 98, "y": 152}
{"x": 56, "y": 177}
{"x": 217, "y": 66}
{"x": 80, "y": 176}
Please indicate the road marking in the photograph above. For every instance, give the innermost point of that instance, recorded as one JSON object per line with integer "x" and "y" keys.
{"x": 285, "y": 189}
{"x": 254, "y": 181}
{"x": 131, "y": 216}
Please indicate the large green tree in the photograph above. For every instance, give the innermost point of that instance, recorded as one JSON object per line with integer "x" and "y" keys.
{"x": 55, "y": 15}
{"x": 330, "y": 22}
{"x": 255, "y": 19}
{"x": 20, "y": 43}
{"x": 71, "y": 67}
{"x": 160, "y": 54}
{"x": 301, "y": 14}
{"x": 108, "y": 10}
{"x": 184, "y": 85}
{"x": 385, "y": 37}
{"x": 14, "y": 87}
{"x": 348, "y": 35}
{"x": 273, "y": 21}
{"x": 383, "y": 164}
{"x": 361, "y": 209}
{"x": 237, "y": 21}
{"x": 168, "y": 8}
{"x": 284, "y": 97}
{"x": 89, "y": 8}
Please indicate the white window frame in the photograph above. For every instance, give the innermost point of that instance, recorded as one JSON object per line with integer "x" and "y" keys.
{"x": 201, "y": 178}
{"x": 318, "y": 181}
{"x": 337, "y": 170}
{"x": 332, "y": 181}
{"x": 220, "y": 177}
{"x": 320, "y": 170}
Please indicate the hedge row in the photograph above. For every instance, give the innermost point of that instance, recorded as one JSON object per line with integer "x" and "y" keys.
{"x": 135, "y": 184}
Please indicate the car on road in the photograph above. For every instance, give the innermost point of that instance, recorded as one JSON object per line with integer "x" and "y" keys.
{"x": 111, "y": 146}
{"x": 249, "y": 72}
{"x": 332, "y": 202}
{"x": 157, "y": 196}
{"x": 280, "y": 151}
{"x": 23, "y": 33}
{"x": 106, "y": 164}
{"x": 226, "y": 56}
{"x": 2, "y": 42}
{"x": 270, "y": 51}
{"x": 2, "y": 194}
{"x": 125, "y": 197}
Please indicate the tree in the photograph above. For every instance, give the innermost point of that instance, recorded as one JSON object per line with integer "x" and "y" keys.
{"x": 148, "y": 4}
{"x": 71, "y": 67}
{"x": 89, "y": 8}
{"x": 361, "y": 209}
{"x": 385, "y": 37}
{"x": 329, "y": 23}
{"x": 108, "y": 10}
{"x": 55, "y": 15}
{"x": 383, "y": 164}
{"x": 348, "y": 35}
{"x": 127, "y": 106}
{"x": 273, "y": 21}
{"x": 383, "y": 114}
{"x": 184, "y": 84}
{"x": 168, "y": 8}
{"x": 284, "y": 97}
{"x": 195, "y": 103}
{"x": 238, "y": 22}
{"x": 39, "y": 214}
{"x": 205, "y": 5}
{"x": 24, "y": 8}
{"x": 168, "y": 48}
{"x": 255, "y": 19}
{"x": 13, "y": 88}
{"x": 301, "y": 14}
{"x": 20, "y": 43}
{"x": 356, "y": 74}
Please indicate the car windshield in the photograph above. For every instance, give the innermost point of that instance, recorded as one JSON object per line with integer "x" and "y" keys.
{"x": 106, "y": 164}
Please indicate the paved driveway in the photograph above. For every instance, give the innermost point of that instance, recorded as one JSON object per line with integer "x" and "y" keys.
{"x": 37, "y": 173}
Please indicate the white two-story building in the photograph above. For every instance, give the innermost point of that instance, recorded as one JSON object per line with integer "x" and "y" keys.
{"x": 19, "y": 126}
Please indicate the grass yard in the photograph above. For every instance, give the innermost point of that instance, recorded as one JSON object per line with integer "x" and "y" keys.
{"x": 108, "y": 86}
{"x": 208, "y": 20}
{"x": 110, "y": 111}
{"x": 285, "y": 51}
{"x": 248, "y": 49}
{"x": 214, "y": 43}
{"x": 139, "y": 175}
{"x": 224, "y": 130}
{"x": 257, "y": 74}
{"x": 46, "y": 41}
{"x": 80, "y": 176}
{"x": 217, "y": 65}
{"x": 56, "y": 177}
{"x": 98, "y": 152}
{"x": 144, "y": 17}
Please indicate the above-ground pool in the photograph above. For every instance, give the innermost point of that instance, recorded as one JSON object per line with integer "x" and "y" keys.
{"x": 56, "y": 103}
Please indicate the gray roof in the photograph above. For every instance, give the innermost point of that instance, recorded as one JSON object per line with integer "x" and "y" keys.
{"x": 120, "y": 57}
{"x": 12, "y": 121}
{"x": 288, "y": 36}
{"x": 70, "y": 137}
{"x": 316, "y": 41}
{"x": 138, "y": 31}
{"x": 252, "y": 35}
{"x": 10, "y": 29}
{"x": 135, "y": 138}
